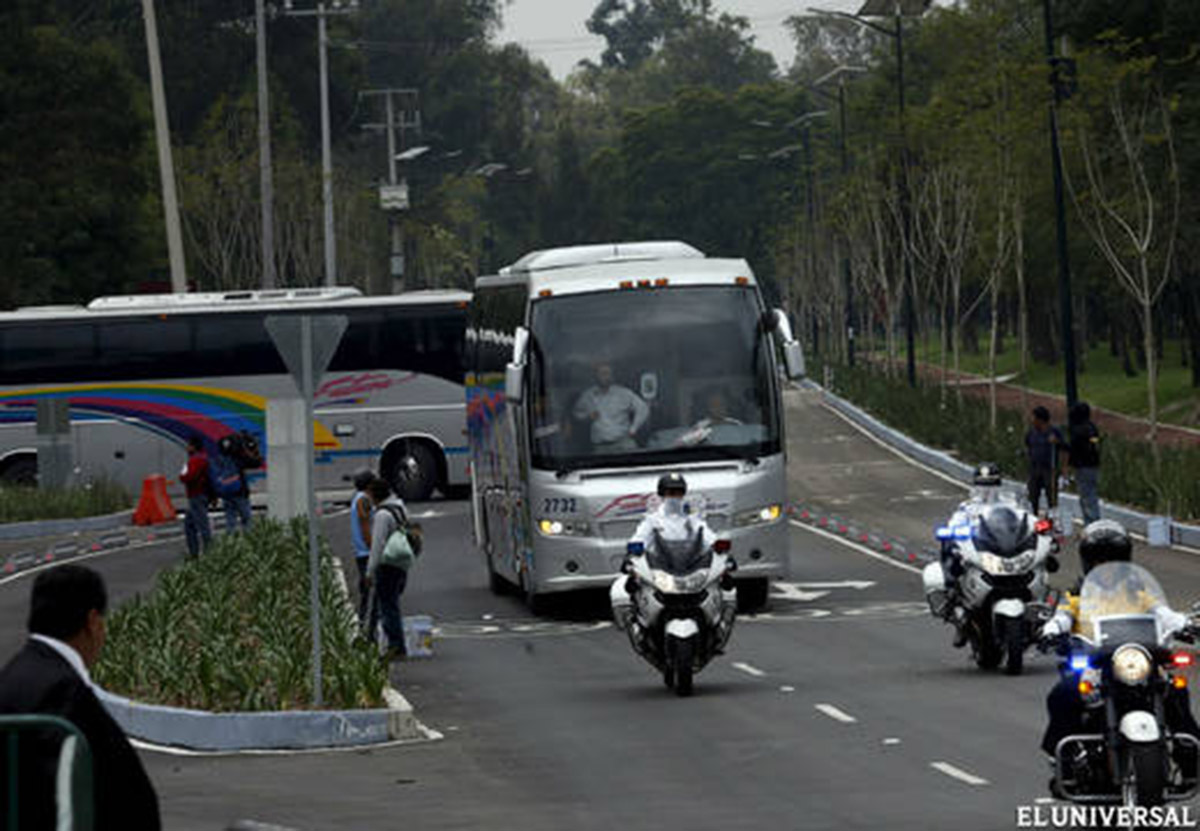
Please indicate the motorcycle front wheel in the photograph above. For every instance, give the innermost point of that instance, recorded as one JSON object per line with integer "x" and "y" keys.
{"x": 1149, "y": 769}
{"x": 1013, "y": 638}
{"x": 983, "y": 645}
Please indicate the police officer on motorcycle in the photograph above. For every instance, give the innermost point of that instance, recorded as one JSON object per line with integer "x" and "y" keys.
{"x": 671, "y": 531}
{"x": 1103, "y": 541}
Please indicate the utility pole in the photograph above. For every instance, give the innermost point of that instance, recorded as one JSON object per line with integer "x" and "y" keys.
{"x": 401, "y": 114}
{"x": 162, "y": 135}
{"x": 1060, "y": 221}
{"x": 321, "y": 12}
{"x": 266, "y": 186}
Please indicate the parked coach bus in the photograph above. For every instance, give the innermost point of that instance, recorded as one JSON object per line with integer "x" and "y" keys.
{"x": 143, "y": 373}
{"x": 556, "y": 495}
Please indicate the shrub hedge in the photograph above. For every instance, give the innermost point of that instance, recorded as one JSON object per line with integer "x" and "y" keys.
{"x": 230, "y": 631}
{"x": 25, "y": 504}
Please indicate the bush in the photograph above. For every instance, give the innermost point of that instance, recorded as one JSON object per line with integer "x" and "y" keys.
{"x": 230, "y": 631}
{"x": 1134, "y": 473}
{"x": 25, "y": 504}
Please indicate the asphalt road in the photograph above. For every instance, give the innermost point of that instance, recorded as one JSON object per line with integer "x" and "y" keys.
{"x": 843, "y": 707}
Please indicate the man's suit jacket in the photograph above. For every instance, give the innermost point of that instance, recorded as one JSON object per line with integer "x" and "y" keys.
{"x": 38, "y": 680}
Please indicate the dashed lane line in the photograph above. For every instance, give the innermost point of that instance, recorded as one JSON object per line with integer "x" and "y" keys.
{"x": 749, "y": 670}
{"x": 835, "y": 714}
{"x": 859, "y": 548}
{"x": 958, "y": 773}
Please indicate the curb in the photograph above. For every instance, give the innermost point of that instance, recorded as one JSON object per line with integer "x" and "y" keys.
{"x": 293, "y": 730}
{"x": 1136, "y": 521}
{"x": 55, "y": 527}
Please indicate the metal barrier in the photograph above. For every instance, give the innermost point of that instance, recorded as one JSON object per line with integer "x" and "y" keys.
{"x": 72, "y": 788}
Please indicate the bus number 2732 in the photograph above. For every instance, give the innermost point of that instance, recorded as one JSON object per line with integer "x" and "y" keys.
{"x": 555, "y": 505}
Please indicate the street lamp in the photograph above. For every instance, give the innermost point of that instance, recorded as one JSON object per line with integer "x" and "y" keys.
{"x": 898, "y": 9}
{"x": 322, "y": 11}
{"x": 839, "y": 72}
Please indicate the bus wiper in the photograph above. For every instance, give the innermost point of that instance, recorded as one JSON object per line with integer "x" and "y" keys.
{"x": 563, "y": 472}
{"x": 745, "y": 455}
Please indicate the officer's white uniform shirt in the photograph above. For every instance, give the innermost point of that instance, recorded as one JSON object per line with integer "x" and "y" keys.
{"x": 673, "y": 524}
{"x": 620, "y": 412}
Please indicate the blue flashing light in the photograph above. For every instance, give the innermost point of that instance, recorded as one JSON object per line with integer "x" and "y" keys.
{"x": 944, "y": 533}
{"x": 962, "y": 532}
{"x": 1079, "y": 663}
{"x": 635, "y": 549}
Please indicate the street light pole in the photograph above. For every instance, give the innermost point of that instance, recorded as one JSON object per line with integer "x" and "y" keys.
{"x": 321, "y": 12}
{"x": 264, "y": 149}
{"x": 1060, "y": 222}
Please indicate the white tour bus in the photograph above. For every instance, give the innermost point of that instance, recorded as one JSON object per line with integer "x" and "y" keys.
{"x": 143, "y": 373}
{"x": 555, "y": 499}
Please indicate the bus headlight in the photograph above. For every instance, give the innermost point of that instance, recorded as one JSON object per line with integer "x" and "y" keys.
{"x": 559, "y": 528}
{"x": 758, "y": 516}
{"x": 1131, "y": 664}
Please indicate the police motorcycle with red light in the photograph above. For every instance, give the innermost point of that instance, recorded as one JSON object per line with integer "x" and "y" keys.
{"x": 1121, "y": 729}
{"x": 990, "y": 583}
{"x": 676, "y": 598}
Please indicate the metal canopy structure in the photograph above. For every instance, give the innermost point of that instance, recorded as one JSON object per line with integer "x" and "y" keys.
{"x": 887, "y": 8}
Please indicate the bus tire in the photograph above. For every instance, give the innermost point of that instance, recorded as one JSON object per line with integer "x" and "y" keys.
{"x": 412, "y": 470}
{"x": 752, "y": 594}
{"x": 22, "y": 472}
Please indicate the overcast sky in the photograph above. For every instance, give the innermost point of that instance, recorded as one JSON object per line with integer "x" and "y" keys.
{"x": 554, "y": 30}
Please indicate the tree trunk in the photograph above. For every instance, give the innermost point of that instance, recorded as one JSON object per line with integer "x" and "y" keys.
{"x": 1151, "y": 366}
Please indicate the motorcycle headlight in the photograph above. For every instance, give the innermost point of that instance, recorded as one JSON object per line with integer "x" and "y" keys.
{"x": 559, "y": 528}
{"x": 758, "y": 516}
{"x": 997, "y": 565}
{"x": 664, "y": 582}
{"x": 1131, "y": 664}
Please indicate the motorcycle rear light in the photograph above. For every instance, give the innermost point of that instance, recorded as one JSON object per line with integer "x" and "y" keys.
{"x": 1179, "y": 682}
{"x": 1043, "y": 526}
{"x": 1182, "y": 659}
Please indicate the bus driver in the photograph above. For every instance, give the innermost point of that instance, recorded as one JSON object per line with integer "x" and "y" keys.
{"x": 616, "y": 412}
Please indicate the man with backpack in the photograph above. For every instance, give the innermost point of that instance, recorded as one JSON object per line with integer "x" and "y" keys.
{"x": 238, "y": 452}
{"x": 195, "y": 478}
{"x": 392, "y": 555}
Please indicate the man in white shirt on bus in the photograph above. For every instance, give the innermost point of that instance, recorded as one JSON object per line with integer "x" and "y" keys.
{"x": 616, "y": 413}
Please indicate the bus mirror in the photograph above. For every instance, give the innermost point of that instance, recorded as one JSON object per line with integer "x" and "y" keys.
{"x": 514, "y": 382}
{"x": 793, "y": 358}
{"x": 782, "y": 327}
{"x": 520, "y": 345}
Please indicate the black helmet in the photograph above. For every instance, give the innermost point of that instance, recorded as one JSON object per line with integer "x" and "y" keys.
{"x": 987, "y": 475}
{"x": 362, "y": 478}
{"x": 1004, "y": 530}
{"x": 672, "y": 483}
{"x": 1104, "y": 541}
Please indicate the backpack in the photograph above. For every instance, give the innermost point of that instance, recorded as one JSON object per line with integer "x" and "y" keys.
{"x": 224, "y": 477}
{"x": 250, "y": 455}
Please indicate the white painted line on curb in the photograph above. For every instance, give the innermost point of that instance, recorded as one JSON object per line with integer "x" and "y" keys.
{"x": 749, "y": 670}
{"x": 428, "y": 735}
{"x": 836, "y": 714}
{"x": 958, "y": 773}
{"x": 862, "y": 549}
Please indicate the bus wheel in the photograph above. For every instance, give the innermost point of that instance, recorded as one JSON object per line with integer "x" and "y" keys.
{"x": 412, "y": 471}
{"x": 752, "y": 594}
{"x": 22, "y": 472}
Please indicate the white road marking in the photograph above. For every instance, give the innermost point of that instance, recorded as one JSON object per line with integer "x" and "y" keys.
{"x": 1044, "y": 800}
{"x": 891, "y": 742}
{"x": 845, "y": 584}
{"x": 790, "y": 591}
{"x": 862, "y": 549}
{"x": 749, "y": 670}
{"x": 428, "y": 735}
{"x": 958, "y": 773}
{"x": 787, "y": 689}
{"x": 836, "y": 714}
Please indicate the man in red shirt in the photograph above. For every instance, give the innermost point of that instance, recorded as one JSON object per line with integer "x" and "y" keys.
{"x": 195, "y": 478}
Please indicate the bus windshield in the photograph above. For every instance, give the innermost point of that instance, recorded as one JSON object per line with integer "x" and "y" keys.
{"x": 650, "y": 376}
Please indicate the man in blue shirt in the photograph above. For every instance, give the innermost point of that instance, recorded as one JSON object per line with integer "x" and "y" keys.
{"x": 1043, "y": 442}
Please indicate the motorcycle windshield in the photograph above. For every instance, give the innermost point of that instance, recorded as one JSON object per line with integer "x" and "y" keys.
{"x": 679, "y": 557}
{"x": 1116, "y": 606}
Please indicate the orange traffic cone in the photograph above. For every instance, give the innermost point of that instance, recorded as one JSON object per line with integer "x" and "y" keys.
{"x": 154, "y": 506}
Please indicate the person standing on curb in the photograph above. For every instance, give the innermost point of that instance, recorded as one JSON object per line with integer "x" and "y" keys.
{"x": 1042, "y": 444}
{"x": 195, "y": 478}
{"x": 49, "y": 676}
{"x": 1084, "y": 458}
{"x": 386, "y": 580}
{"x": 361, "y": 508}
{"x": 241, "y": 449}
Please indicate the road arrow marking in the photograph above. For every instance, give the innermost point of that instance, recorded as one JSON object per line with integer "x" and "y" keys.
{"x": 845, "y": 584}
{"x": 791, "y": 591}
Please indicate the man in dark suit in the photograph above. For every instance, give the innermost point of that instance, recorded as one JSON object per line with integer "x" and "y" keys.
{"x": 49, "y": 676}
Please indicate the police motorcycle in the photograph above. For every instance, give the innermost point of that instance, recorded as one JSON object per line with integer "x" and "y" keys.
{"x": 996, "y": 555}
{"x": 678, "y": 606}
{"x": 1132, "y": 685}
